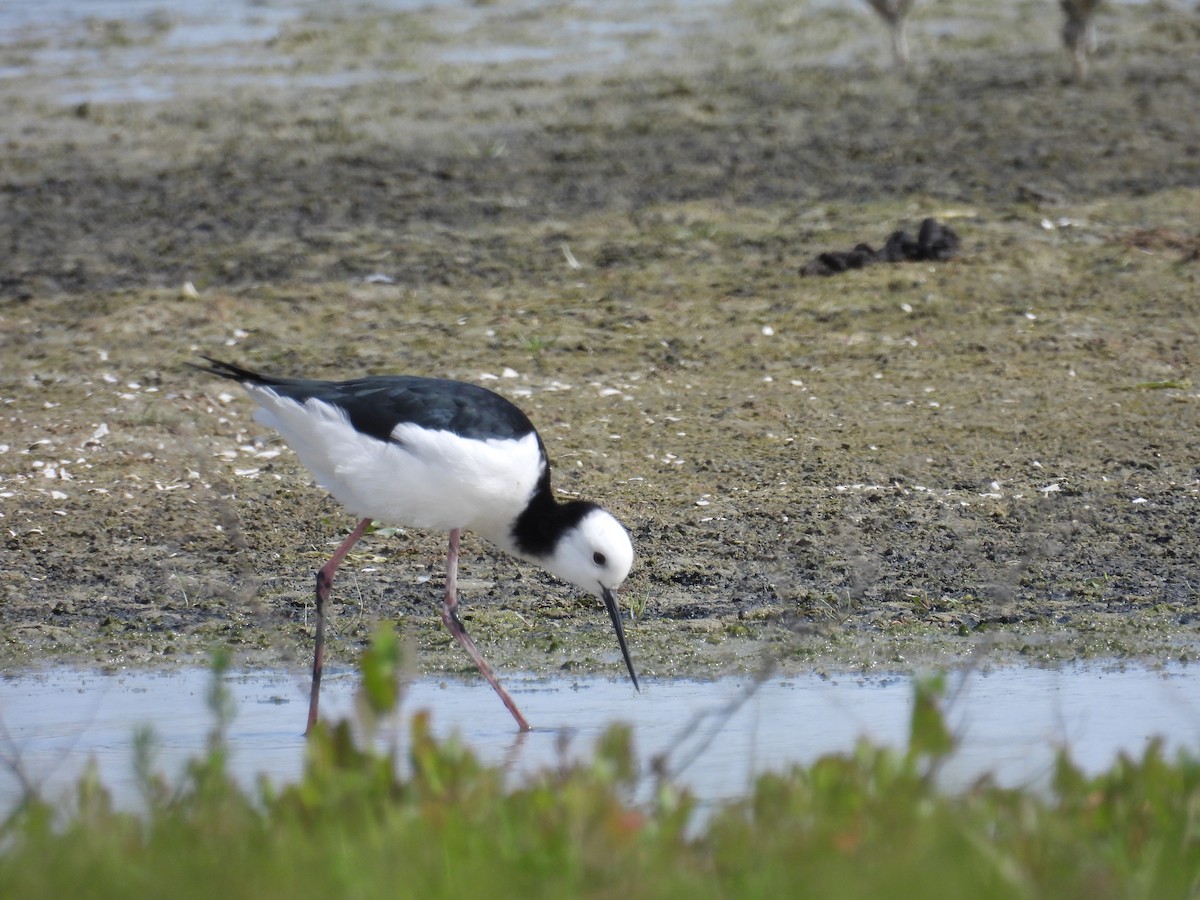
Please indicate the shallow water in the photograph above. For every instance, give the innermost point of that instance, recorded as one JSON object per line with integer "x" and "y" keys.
{"x": 113, "y": 51}
{"x": 1009, "y": 722}
{"x": 116, "y": 51}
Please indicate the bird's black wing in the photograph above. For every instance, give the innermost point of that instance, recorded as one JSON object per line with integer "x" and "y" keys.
{"x": 377, "y": 404}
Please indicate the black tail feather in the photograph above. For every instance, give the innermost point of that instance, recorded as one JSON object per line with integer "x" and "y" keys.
{"x": 230, "y": 370}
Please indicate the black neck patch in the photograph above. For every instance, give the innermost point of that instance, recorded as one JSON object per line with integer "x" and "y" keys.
{"x": 537, "y": 530}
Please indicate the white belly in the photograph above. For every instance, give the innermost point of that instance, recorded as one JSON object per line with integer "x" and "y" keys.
{"x": 424, "y": 479}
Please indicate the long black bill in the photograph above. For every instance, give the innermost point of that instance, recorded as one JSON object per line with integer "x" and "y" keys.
{"x": 610, "y": 600}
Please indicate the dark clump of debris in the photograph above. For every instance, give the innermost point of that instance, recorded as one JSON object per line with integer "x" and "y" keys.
{"x": 934, "y": 241}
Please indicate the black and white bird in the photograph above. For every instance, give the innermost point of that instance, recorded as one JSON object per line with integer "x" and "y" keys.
{"x": 446, "y": 455}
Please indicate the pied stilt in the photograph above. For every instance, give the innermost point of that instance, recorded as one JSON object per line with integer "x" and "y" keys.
{"x": 434, "y": 453}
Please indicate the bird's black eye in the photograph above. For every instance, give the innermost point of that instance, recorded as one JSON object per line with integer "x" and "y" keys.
{"x": 599, "y": 558}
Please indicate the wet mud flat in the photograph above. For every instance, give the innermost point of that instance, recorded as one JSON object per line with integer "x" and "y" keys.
{"x": 990, "y": 458}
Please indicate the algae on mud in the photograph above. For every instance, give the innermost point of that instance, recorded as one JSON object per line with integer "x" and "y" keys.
{"x": 992, "y": 458}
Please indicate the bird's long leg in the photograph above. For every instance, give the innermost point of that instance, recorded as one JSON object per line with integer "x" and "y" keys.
{"x": 455, "y": 627}
{"x": 324, "y": 586}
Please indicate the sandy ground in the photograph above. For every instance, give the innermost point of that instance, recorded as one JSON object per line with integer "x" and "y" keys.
{"x": 988, "y": 459}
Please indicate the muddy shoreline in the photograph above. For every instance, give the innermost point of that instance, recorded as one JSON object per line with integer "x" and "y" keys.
{"x": 985, "y": 460}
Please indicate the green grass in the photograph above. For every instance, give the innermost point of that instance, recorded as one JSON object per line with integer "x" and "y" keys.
{"x": 865, "y": 824}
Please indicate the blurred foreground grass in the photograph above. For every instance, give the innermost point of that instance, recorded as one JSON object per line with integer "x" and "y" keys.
{"x": 866, "y": 824}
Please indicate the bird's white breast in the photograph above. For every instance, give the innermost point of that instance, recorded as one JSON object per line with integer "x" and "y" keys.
{"x": 421, "y": 478}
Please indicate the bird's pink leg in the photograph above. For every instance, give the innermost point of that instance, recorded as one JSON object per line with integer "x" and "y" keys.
{"x": 455, "y": 627}
{"x": 324, "y": 586}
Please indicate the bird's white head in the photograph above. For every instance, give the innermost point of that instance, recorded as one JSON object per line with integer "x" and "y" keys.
{"x": 595, "y": 554}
